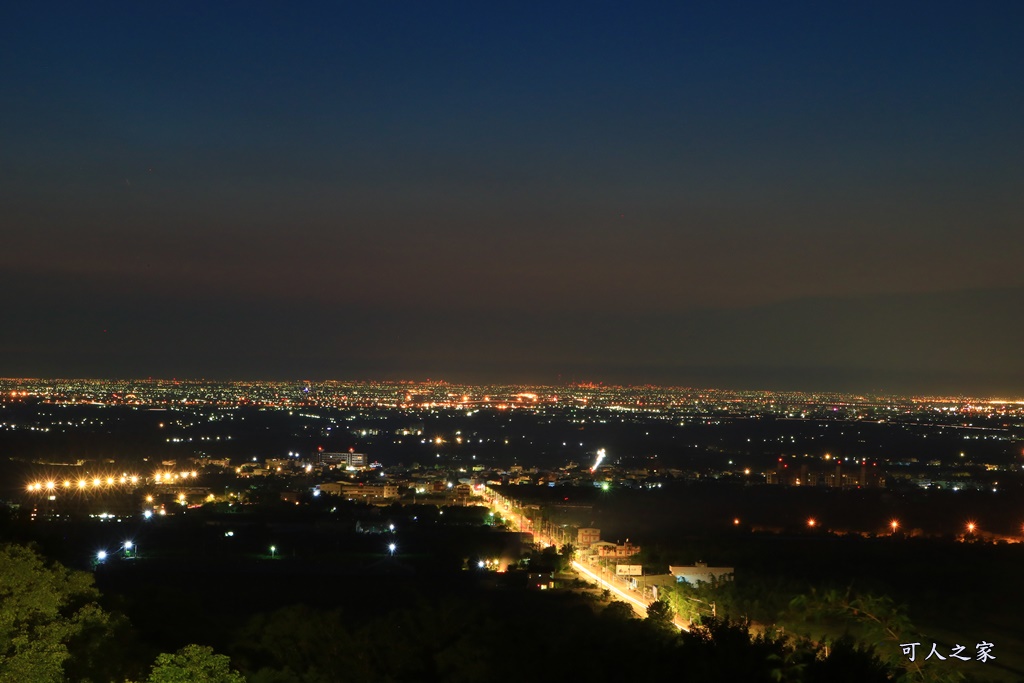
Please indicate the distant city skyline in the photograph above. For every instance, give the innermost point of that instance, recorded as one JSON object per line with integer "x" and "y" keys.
{"x": 816, "y": 197}
{"x": 441, "y": 393}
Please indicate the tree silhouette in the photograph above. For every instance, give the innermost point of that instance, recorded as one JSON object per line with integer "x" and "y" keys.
{"x": 50, "y": 624}
{"x": 618, "y": 610}
{"x": 193, "y": 664}
{"x": 659, "y": 615}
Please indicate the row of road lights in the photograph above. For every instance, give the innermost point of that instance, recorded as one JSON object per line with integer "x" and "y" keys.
{"x": 391, "y": 550}
{"x": 131, "y": 549}
{"x": 273, "y": 550}
{"x": 894, "y": 525}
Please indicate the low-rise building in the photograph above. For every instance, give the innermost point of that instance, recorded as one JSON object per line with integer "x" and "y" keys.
{"x": 587, "y": 537}
{"x": 371, "y": 493}
{"x": 626, "y": 549}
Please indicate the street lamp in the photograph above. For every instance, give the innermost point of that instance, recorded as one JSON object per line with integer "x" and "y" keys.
{"x": 101, "y": 555}
{"x": 273, "y": 549}
{"x": 391, "y": 548}
{"x": 894, "y": 525}
{"x": 128, "y": 547}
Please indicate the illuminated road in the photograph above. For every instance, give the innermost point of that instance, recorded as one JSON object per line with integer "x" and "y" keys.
{"x": 638, "y": 605}
{"x": 525, "y": 525}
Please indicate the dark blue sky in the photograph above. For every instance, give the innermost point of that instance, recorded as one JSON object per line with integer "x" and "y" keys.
{"x": 803, "y": 195}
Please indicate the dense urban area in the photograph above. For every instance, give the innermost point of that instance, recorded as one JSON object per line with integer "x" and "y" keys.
{"x": 744, "y": 535}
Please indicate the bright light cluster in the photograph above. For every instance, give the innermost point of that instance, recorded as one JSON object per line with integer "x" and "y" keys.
{"x": 83, "y": 484}
{"x": 171, "y": 477}
{"x": 105, "y": 482}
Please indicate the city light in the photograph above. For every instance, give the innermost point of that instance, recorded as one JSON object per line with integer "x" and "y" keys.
{"x": 101, "y": 555}
{"x": 111, "y": 489}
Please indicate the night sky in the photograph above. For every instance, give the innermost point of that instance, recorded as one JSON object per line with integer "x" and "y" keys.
{"x": 821, "y": 196}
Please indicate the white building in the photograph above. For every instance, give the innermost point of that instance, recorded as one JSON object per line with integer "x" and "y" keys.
{"x": 357, "y": 460}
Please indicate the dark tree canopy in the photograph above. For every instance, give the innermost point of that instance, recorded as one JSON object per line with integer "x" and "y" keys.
{"x": 193, "y": 664}
{"x": 51, "y": 626}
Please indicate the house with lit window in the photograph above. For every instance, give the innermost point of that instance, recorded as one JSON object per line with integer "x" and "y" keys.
{"x": 613, "y": 550}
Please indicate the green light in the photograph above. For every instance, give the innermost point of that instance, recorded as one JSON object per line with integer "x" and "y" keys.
{"x": 605, "y": 486}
